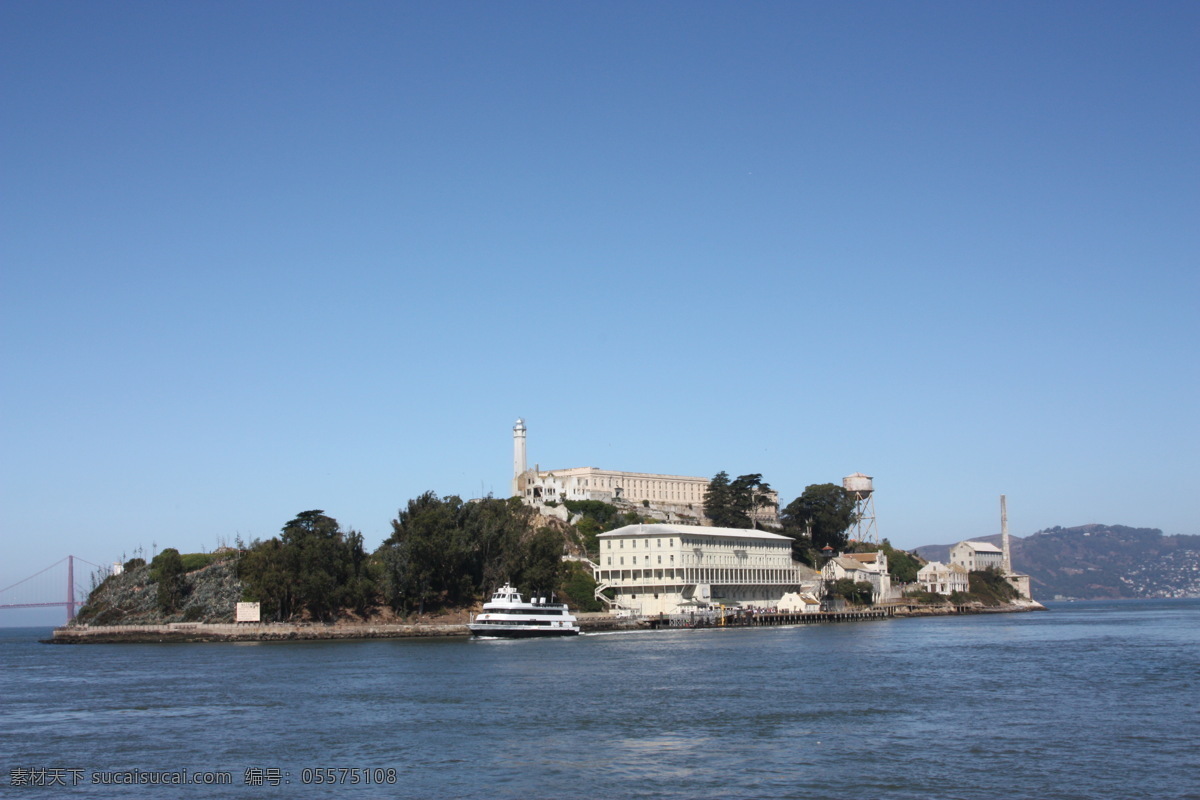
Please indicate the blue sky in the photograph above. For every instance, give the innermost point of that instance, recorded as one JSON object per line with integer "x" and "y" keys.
{"x": 262, "y": 258}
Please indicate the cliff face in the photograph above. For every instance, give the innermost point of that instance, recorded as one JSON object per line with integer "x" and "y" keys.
{"x": 1101, "y": 561}
{"x": 131, "y": 598}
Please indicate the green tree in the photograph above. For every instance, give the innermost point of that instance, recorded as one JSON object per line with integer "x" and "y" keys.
{"x": 748, "y": 495}
{"x": 822, "y": 513}
{"x": 390, "y": 565}
{"x": 733, "y": 503}
{"x": 327, "y": 564}
{"x": 542, "y": 567}
{"x": 167, "y": 571}
{"x": 267, "y": 578}
{"x": 596, "y": 517}
{"x": 902, "y": 566}
{"x": 856, "y": 592}
{"x": 495, "y": 531}
{"x": 989, "y": 587}
{"x": 579, "y": 587}
{"x": 445, "y": 551}
{"x": 313, "y": 566}
{"x": 718, "y": 502}
{"x": 428, "y": 530}
{"x": 723, "y": 504}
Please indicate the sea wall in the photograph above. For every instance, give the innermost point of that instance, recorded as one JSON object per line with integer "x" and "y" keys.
{"x": 588, "y": 623}
{"x": 246, "y": 632}
{"x": 285, "y": 631}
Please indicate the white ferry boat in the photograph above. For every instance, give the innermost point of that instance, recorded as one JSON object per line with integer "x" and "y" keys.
{"x": 507, "y": 615}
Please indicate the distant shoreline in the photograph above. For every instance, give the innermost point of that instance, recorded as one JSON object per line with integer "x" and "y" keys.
{"x": 288, "y": 631}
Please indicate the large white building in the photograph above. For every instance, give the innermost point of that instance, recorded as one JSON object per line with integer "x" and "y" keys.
{"x": 669, "y": 569}
{"x": 977, "y": 556}
{"x": 677, "y": 497}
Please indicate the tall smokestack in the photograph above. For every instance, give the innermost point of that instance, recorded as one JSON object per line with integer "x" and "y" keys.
{"x": 1004, "y": 537}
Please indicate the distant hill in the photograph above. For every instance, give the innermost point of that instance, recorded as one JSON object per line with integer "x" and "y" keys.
{"x": 1100, "y": 561}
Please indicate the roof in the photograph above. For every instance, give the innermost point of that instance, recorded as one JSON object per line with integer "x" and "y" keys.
{"x": 575, "y": 471}
{"x": 666, "y": 529}
{"x": 981, "y": 547}
{"x": 847, "y": 563}
{"x": 866, "y": 558}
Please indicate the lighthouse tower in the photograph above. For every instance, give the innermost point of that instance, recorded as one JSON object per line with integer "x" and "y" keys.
{"x": 518, "y": 455}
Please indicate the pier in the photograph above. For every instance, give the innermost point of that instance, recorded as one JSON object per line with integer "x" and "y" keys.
{"x": 737, "y": 618}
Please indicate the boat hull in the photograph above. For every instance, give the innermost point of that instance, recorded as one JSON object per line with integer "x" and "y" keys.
{"x": 516, "y": 632}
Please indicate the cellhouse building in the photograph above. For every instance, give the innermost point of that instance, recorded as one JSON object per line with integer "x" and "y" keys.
{"x": 674, "y": 498}
{"x": 672, "y": 569}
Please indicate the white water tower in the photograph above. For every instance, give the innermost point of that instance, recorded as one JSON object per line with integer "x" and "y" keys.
{"x": 863, "y": 490}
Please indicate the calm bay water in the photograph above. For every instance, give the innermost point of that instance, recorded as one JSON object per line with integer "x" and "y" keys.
{"x": 1087, "y": 700}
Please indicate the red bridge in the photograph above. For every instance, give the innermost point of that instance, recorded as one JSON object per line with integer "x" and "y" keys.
{"x": 36, "y": 590}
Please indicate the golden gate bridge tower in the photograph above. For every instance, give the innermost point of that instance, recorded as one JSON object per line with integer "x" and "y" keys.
{"x": 36, "y": 590}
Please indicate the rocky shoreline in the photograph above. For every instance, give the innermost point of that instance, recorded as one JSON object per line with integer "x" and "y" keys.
{"x": 974, "y": 608}
{"x": 286, "y": 631}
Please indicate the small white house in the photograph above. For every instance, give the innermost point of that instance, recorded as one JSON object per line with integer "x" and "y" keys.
{"x": 799, "y": 603}
{"x": 869, "y": 568}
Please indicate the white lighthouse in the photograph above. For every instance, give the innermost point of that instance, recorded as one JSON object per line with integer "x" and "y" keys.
{"x": 518, "y": 455}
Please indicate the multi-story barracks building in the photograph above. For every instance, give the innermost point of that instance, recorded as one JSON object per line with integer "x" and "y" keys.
{"x": 671, "y": 569}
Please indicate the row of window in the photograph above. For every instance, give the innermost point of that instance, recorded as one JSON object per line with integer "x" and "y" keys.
{"x": 537, "y": 612}
{"x": 704, "y": 575}
{"x": 633, "y": 543}
{"x": 647, "y": 561}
